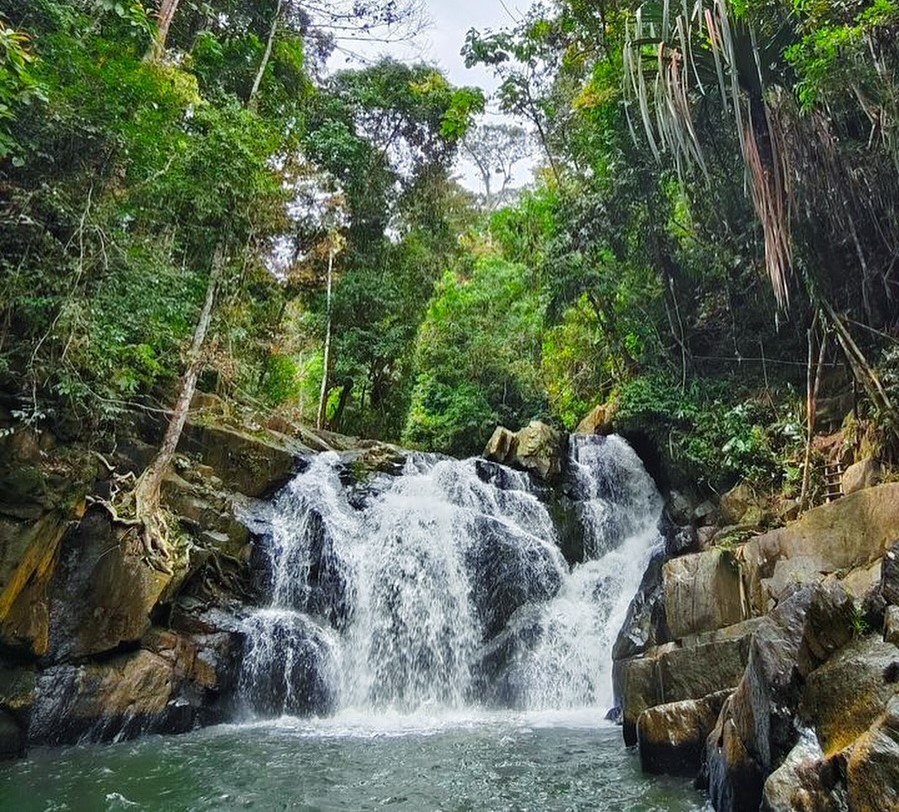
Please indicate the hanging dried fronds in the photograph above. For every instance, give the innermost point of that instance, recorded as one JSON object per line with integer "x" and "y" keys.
{"x": 669, "y": 66}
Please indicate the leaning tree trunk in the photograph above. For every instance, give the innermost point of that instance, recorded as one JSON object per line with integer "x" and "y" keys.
{"x": 167, "y": 11}
{"x": 251, "y": 99}
{"x": 323, "y": 395}
{"x": 147, "y": 489}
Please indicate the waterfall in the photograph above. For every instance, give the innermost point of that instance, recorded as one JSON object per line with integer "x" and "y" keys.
{"x": 445, "y": 587}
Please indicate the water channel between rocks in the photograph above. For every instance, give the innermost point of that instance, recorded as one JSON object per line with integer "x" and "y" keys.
{"x": 424, "y": 644}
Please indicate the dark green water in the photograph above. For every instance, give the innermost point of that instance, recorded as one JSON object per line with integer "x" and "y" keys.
{"x": 493, "y": 762}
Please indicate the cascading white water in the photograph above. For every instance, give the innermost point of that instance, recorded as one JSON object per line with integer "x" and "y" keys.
{"x": 447, "y": 588}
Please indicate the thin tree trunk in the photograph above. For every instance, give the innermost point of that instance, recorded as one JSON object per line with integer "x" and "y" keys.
{"x": 813, "y": 384}
{"x": 342, "y": 402}
{"x": 167, "y": 11}
{"x": 147, "y": 490}
{"x": 251, "y": 100}
{"x": 323, "y": 395}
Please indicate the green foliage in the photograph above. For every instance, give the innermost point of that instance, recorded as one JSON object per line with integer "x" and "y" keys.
{"x": 19, "y": 86}
{"x": 477, "y": 358}
{"x": 706, "y": 435}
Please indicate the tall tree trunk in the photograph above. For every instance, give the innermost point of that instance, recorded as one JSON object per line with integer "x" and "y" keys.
{"x": 167, "y": 11}
{"x": 251, "y": 99}
{"x": 147, "y": 489}
{"x": 323, "y": 395}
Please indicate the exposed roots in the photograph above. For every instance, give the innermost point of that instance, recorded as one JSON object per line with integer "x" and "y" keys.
{"x": 139, "y": 507}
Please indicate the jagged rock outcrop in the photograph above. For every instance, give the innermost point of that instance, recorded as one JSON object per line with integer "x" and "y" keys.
{"x": 853, "y": 532}
{"x": 872, "y": 773}
{"x": 811, "y": 723}
{"x": 537, "y": 448}
{"x": 703, "y": 592}
{"x": 691, "y": 668}
{"x": 599, "y": 420}
{"x": 756, "y": 729}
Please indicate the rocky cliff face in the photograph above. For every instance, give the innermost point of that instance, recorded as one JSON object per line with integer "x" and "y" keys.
{"x": 94, "y": 642}
{"x": 772, "y": 672}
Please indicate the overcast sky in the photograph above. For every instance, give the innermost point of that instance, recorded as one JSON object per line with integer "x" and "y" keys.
{"x": 442, "y": 42}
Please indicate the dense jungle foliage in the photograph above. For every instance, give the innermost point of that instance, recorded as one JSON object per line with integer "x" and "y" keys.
{"x": 713, "y": 228}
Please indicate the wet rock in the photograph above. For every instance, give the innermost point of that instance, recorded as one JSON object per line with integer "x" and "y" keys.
{"x": 702, "y": 592}
{"x": 840, "y": 536}
{"x": 891, "y": 625}
{"x": 671, "y": 737}
{"x": 103, "y": 592}
{"x": 118, "y": 698}
{"x": 28, "y": 556}
{"x": 700, "y": 665}
{"x": 873, "y": 768}
{"x": 706, "y": 513}
{"x": 12, "y": 737}
{"x": 889, "y": 575}
{"x": 537, "y": 448}
{"x": 644, "y": 627}
{"x": 17, "y": 689}
{"x": 507, "y": 571}
{"x": 862, "y": 474}
{"x": 498, "y": 682}
{"x": 288, "y": 666}
{"x": 681, "y": 540}
{"x": 735, "y": 779}
{"x": 599, "y": 420}
{"x": 845, "y": 696}
{"x": 756, "y": 729}
{"x": 805, "y": 782}
{"x": 680, "y": 508}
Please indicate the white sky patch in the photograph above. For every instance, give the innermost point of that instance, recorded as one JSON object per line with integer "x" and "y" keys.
{"x": 440, "y": 45}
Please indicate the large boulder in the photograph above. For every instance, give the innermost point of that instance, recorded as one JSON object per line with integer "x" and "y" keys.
{"x": 252, "y": 464}
{"x": 17, "y": 689}
{"x": 862, "y": 474}
{"x": 40, "y": 494}
{"x": 671, "y": 737}
{"x": 103, "y": 592}
{"x": 889, "y": 575}
{"x": 805, "y": 782}
{"x": 742, "y": 504}
{"x": 840, "y": 536}
{"x": 120, "y": 697}
{"x": 28, "y": 556}
{"x": 537, "y": 448}
{"x": 703, "y": 592}
{"x": 844, "y": 697}
{"x": 508, "y": 569}
{"x": 599, "y": 420}
{"x": 644, "y": 626}
{"x": 873, "y": 769}
{"x": 756, "y": 729}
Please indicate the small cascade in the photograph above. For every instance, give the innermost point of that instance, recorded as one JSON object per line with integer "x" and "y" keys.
{"x": 446, "y": 588}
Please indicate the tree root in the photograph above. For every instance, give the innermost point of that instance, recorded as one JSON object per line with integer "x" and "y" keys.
{"x": 139, "y": 508}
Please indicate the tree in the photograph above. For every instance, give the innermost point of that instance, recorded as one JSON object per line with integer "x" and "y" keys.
{"x": 495, "y": 150}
